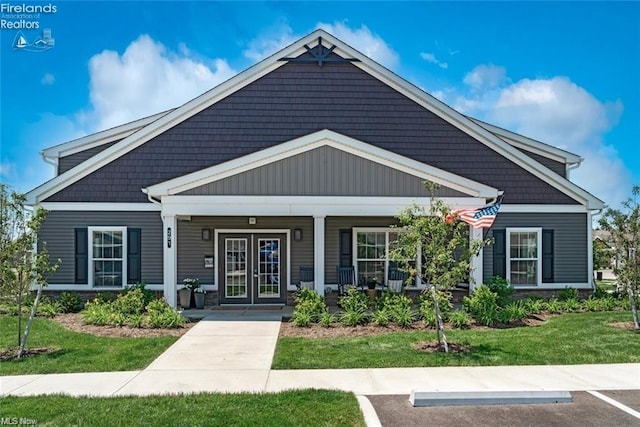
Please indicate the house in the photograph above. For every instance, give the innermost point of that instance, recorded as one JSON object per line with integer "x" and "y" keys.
{"x": 303, "y": 159}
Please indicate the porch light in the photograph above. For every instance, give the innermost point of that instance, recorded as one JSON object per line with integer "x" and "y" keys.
{"x": 297, "y": 234}
{"x": 252, "y": 220}
{"x": 206, "y": 234}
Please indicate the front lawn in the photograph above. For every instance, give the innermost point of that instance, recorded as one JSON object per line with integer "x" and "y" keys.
{"x": 77, "y": 352}
{"x": 289, "y": 408}
{"x": 576, "y": 338}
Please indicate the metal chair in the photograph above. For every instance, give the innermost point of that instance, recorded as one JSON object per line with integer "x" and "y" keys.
{"x": 346, "y": 279}
{"x": 307, "y": 278}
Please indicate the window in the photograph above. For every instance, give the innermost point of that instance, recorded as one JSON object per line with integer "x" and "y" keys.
{"x": 107, "y": 256}
{"x": 524, "y": 263}
{"x": 372, "y": 246}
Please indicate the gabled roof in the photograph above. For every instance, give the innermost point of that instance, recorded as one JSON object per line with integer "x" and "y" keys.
{"x": 312, "y": 141}
{"x": 273, "y": 62}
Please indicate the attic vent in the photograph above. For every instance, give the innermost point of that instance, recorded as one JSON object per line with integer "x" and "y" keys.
{"x": 320, "y": 55}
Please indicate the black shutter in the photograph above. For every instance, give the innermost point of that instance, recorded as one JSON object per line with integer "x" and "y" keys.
{"x": 133, "y": 256}
{"x": 500, "y": 254}
{"x": 81, "y": 256}
{"x": 547, "y": 256}
{"x": 346, "y": 259}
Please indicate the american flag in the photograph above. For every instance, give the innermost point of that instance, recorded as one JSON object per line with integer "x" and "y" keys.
{"x": 477, "y": 218}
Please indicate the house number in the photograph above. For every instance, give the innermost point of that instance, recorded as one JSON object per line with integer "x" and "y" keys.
{"x": 168, "y": 237}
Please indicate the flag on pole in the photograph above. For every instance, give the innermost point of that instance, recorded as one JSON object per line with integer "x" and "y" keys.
{"x": 477, "y": 218}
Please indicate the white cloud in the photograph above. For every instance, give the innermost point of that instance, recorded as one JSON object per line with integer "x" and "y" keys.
{"x": 363, "y": 40}
{"x": 7, "y": 169}
{"x": 48, "y": 79}
{"x": 556, "y": 111}
{"x": 270, "y": 41}
{"x": 146, "y": 79}
{"x": 431, "y": 58}
{"x": 485, "y": 76}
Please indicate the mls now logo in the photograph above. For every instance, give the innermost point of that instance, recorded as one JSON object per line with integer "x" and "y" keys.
{"x": 39, "y": 44}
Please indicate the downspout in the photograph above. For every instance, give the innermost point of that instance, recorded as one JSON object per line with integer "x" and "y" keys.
{"x": 572, "y": 166}
{"x": 53, "y": 161}
{"x": 591, "y": 214}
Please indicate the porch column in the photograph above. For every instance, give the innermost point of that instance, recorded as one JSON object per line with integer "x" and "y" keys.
{"x": 476, "y": 262}
{"x": 170, "y": 258}
{"x": 318, "y": 254}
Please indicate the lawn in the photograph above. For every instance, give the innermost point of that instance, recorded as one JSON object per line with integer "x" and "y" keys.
{"x": 576, "y": 338}
{"x": 77, "y": 352}
{"x": 289, "y": 408}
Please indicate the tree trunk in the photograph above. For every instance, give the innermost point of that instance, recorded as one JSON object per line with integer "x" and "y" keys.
{"x": 442, "y": 337}
{"x": 19, "y": 303}
{"x": 634, "y": 307}
{"x": 25, "y": 336}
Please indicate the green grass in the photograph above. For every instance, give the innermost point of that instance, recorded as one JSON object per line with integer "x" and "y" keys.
{"x": 77, "y": 352}
{"x": 289, "y": 408}
{"x": 576, "y": 338}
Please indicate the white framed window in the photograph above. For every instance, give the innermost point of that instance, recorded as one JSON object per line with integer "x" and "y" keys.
{"x": 371, "y": 247}
{"x": 524, "y": 256}
{"x": 107, "y": 256}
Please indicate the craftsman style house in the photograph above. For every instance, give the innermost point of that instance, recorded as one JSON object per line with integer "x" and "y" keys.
{"x": 300, "y": 163}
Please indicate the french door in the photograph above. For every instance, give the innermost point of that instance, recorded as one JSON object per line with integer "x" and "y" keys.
{"x": 252, "y": 268}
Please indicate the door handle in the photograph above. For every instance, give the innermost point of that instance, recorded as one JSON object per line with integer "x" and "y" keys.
{"x": 255, "y": 273}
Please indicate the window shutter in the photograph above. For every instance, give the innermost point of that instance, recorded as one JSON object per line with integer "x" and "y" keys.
{"x": 547, "y": 256}
{"x": 134, "y": 273}
{"x": 346, "y": 259}
{"x": 500, "y": 254}
{"x": 81, "y": 256}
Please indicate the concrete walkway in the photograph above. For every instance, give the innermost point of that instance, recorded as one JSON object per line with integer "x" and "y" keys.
{"x": 233, "y": 351}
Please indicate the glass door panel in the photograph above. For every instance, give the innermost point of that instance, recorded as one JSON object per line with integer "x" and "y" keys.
{"x": 235, "y": 270}
{"x": 268, "y": 268}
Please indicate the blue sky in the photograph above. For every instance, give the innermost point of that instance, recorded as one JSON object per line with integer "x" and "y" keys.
{"x": 564, "y": 73}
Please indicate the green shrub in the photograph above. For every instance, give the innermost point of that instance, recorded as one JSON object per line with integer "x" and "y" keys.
{"x": 534, "y": 305}
{"x": 302, "y": 317}
{"x": 459, "y": 319}
{"x": 427, "y": 308}
{"x": 309, "y": 307}
{"x": 162, "y": 315}
{"x": 49, "y": 308}
{"x": 135, "y": 320}
{"x": 554, "y": 306}
{"x": 515, "y": 310}
{"x": 403, "y": 316}
{"x": 353, "y": 317}
{"x": 354, "y": 301}
{"x": 571, "y": 305}
{"x": 381, "y": 317}
{"x": 105, "y": 297}
{"x": 482, "y": 306}
{"x": 327, "y": 319}
{"x": 96, "y": 313}
{"x": 147, "y": 294}
{"x": 502, "y": 289}
{"x": 130, "y": 302}
{"x": 568, "y": 293}
{"x": 70, "y": 302}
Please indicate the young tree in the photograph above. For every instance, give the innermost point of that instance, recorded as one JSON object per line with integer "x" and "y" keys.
{"x": 601, "y": 255}
{"x": 20, "y": 267}
{"x": 444, "y": 248}
{"x": 624, "y": 238}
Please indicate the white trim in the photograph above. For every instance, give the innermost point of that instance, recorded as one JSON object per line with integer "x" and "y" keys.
{"x": 590, "y": 251}
{"x": 271, "y": 63}
{"x": 170, "y": 259}
{"x": 553, "y": 286}
{"x": 91, "y": 258}
{"x": 99, "y": 138}
{"x": 318, "y": 253}
{"x": 100, "y": 207}
{"x": 530, "y": 144}
{"x": 505, "y": 208}
{"x": 538, "y": 232}
{"x": 217, "y": 231}
{"x": 87, "y": 288}
{"x": 301, "y": 206}
{"x": 477, "y": 273}
{"x": 310, "y": 142}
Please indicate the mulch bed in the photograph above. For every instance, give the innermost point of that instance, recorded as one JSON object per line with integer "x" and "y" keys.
{"x": 12, "y": 353}
{"x": 73, "y": 322}
{"x": 435, "y": 347}
{"x": 624, "y": 325}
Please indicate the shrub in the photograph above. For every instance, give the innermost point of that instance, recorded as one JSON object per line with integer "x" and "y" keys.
{"x": 105, "y": 297}
{"x": 404, "y": 316}
{"x": 568, "y": 293}
{"x": 162, "y": 315}
{"x": 130, "y": 302}
{"x": 381, "y": 317}
{"x": 427, "y": 307}
{"x": 459, "y": 319}
{"x": 502, "y": 289}
{"x": 302, "y": 317}
{"x": 96, "y": 313}
{"x": 571, "y": 305}
{"x": 482, "y": 306}
{"x": 534, "y": 305}
{"x": 515, "y": 310}
{"x": 554, "y": 306}
{"x": 147, "y": 294}
{"x": 327, "y": 319}
{"x": 70, "y": 302}
{"x": 354, "y": 301}
{"x": 49, "y": 308}
{"x": 135, "y": 320}
{"x": 353, "y": 317}
{"x": 309, "y": 305}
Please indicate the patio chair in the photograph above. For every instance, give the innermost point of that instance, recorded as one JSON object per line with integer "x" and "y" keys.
{"x": 346, "y": 279}
{"x": 306, "y": 278}
{"x": 396, "y": 280}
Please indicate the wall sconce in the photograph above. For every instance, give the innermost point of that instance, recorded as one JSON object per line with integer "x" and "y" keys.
{"x": 297, "y": 234}
{"x": 206, "y": 234}
{"x": 252, "y": 220}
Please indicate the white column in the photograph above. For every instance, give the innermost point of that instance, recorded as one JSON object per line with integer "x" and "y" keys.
{"x": 590, "y": 250}
{"x": 475, "y": 278}
{"x": 170, "y": 257}
{"x": 318, "y": 254}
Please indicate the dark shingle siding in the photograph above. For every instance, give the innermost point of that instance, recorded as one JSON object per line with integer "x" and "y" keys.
{"x": 295, "y": 100}
{"x": 557, "y": 167}
{"x": 67, "y": 162}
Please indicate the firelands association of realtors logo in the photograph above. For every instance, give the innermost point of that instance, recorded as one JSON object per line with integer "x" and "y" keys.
{"x": 28, "y": 22}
